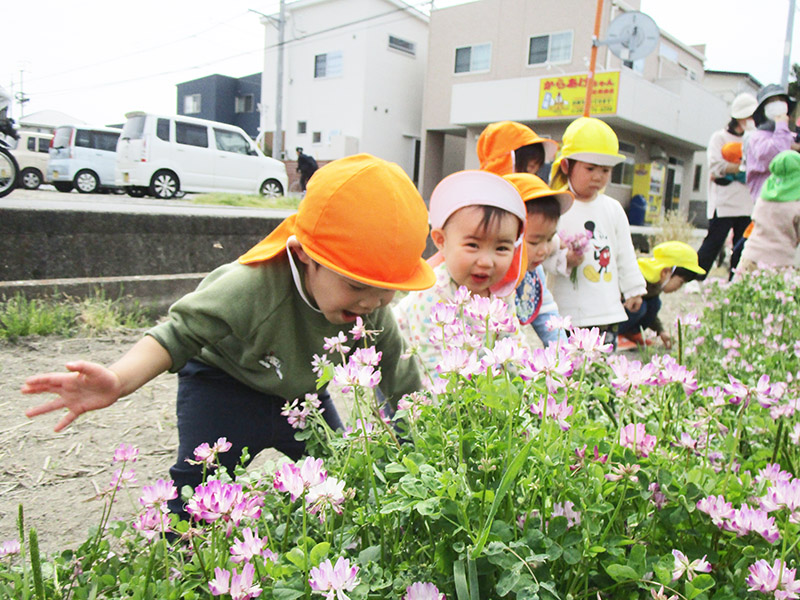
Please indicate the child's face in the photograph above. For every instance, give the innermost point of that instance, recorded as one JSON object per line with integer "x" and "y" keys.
{"x": 587, "y": 179}
{"x": 533, "y": 166}
{"x": 477, "y": 258}
{"x": 539, "y": 233}
{"x": 340, "y": 299}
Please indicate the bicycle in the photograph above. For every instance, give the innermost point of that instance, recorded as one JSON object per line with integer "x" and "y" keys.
{"x": 9, "y": 169}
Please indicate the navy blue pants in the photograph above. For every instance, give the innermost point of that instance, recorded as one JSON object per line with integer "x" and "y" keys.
{"x": 212, "y": 404}
{"x": 643, "y": 318}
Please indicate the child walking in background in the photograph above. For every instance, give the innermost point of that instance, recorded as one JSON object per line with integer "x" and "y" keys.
{"x": 243, "y": 342}
{"x": 477, "y": 223}
{"x": 534, "y": 302}
{"x": 776, "y": 216}
{"x": 589, "y": 151}
{"x": 659, "y": 272}
{"x": 510, "y": 147}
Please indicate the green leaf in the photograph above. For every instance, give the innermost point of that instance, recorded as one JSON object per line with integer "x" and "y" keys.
{"x": 620, "y": 573}
{"x": 557, "y": 527}
{"x": 638, "y": 560}
{"x": 427, "y": 507}
{"x": 572, "y": 555}
{"x": 319, "y": 552}
{"x": 284, "y": 593}
{"x": 409, "y": 464}
{"x": 505, "y": 484}
{"x": 368, "y": 555}
{"x": 460, "y": 580}
{"x": 698, "y": 585}
{"x": 506, "y": 582}
{"x": 297, "y": 558}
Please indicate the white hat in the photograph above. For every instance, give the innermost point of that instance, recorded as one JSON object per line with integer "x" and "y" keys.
{"x": 481, "y": 188}
{"x": 743, "y": 106}
{"x": 473, "y": 188}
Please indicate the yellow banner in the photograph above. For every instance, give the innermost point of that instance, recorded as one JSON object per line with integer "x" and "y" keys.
{"x": 565, "y": 96}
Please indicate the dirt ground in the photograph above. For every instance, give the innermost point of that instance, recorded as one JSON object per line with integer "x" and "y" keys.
{"x": 56, "y": 476}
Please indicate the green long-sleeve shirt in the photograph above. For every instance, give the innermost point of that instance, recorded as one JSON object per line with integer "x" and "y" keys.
{"x": 251, "y": 322}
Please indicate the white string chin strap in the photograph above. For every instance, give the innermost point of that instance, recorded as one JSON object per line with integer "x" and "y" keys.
{"x": 298, "y": 282}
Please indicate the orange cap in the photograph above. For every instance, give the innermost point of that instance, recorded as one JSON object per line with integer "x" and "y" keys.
{"x": 499, "y": 140}
{"x": 531, "y": 187}
{"x": 362, "y": 218}
{"x": 732, "y": 152}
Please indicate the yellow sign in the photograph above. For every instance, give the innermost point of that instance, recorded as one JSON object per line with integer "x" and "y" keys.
{"x": 565, "y": 96}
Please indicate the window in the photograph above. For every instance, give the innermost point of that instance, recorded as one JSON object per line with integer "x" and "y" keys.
{"x": 99, "y": 140}
{"x": 551, "y": 48}
{"x": 191, "y": 104}
{"x": 698, "y": 178}
{"x": 191, "y": 135}
{"x": 243, "y": 104}
{"x": 402, "y": 45}
{"x": 470, "y": 59}
{"x": 32, "y": 144}
{"x": 162, "y": 129}
{"x": 622, "y": 174}
{"x": 44, "y": 145}
{"x": 316, "y": 137}
{"x": 328, "y": 65}
{"x": 301, "y": 127}
{"x": 230, "y": 141}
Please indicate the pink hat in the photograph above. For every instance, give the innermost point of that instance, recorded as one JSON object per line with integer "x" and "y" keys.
{"x": 480, "y": 188}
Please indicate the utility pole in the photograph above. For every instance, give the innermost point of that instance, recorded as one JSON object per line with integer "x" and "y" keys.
{"x": 277, "y": 142}
{"x": 787, "y": 47}
{"x": 20, "y": 95}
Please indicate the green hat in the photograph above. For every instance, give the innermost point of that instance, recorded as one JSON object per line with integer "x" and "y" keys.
{"x": 783, "y": 185}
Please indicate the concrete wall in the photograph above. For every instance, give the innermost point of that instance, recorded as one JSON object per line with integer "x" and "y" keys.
{"x": 153, "y": 258}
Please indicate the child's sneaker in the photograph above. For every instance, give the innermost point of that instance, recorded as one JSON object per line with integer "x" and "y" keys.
{"x": 624, "y": 343}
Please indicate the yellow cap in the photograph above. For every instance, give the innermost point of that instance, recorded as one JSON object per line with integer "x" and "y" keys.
{"x": 669, "y": 254}
{"x": 586, "y": 139}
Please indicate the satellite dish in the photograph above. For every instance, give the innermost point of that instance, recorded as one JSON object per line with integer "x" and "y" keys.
{"x": 632, "y": 35}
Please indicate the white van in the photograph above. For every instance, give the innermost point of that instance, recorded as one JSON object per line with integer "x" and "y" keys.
{"x": 32, "y": 154}
{"x": 162, "y": 156}
{"x": 83, "y": 158}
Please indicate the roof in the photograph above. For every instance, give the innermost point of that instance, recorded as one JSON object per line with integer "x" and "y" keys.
{"x": 755, "y": 81}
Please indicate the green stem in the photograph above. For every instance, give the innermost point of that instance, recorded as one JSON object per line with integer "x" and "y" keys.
{"x": 616, "y": 512}
{"x": 777, "y": 441}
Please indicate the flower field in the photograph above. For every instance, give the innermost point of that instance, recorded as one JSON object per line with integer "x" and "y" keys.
{"x": 569, "y": 472}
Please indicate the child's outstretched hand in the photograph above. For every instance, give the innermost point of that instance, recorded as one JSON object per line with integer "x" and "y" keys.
{"x": 89, "y": 386}
{"x": 633, "y": 303}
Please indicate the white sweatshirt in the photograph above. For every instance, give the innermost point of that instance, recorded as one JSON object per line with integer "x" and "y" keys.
{"x": 608, "y": 269}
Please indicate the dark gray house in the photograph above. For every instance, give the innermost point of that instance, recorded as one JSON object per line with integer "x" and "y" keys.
{"x": 222, "y": 98}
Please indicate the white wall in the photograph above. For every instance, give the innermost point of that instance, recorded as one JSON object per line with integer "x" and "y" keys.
{"x": 376, "y": 102}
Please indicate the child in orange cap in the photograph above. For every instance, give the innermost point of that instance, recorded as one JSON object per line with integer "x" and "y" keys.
{"x": 477, "y": 223}
{"x": 534, "y": 302}
{"x": 510, "y": 147}
{"x": 243, "y": 342}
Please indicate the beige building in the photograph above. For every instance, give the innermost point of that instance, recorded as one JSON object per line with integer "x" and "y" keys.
{"x": 525, "y": 61}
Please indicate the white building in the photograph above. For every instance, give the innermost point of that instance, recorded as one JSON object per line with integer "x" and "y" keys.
{"x": 353, "y": 78}
{"x": 497, "y": 60}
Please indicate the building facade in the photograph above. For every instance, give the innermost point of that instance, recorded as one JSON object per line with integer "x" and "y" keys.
{"x": 353, "y": 79}
{"x": 527, "y": 61}
{"x": 225, "y": 99}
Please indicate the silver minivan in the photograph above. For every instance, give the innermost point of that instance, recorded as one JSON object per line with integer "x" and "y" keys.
{"x": 83, "y": 158}
{"x": 161, "y": 156}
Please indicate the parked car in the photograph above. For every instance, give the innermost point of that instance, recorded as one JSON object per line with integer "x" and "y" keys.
{"x": 83, "y": 158}
{"x": 163, "y": 156}
{"x": 31, "y": 154}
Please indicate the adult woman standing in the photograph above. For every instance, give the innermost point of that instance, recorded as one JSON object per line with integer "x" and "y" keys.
{"x": 729, "y": 202}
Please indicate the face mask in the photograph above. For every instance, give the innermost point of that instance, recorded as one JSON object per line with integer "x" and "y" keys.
{"x": 776, "y": 109}
{"x": 749, "y": 125}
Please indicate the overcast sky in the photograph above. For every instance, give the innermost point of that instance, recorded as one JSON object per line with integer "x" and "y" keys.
{"x": 98, "y": 59}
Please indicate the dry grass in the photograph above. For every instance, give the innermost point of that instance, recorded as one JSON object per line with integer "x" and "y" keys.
{"x": 673, "y": 226}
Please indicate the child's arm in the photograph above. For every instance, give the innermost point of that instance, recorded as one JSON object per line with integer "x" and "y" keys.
{"x": 90, "y": 386}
